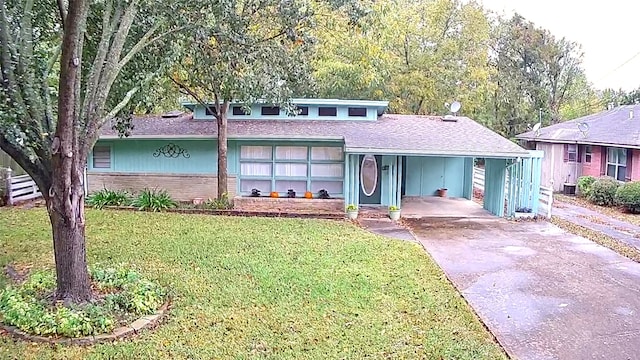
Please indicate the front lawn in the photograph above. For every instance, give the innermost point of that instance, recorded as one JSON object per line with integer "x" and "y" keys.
{"x": 263, "y": 288}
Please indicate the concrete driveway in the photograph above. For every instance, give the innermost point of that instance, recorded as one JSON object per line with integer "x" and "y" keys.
{"x": 544, "y": 293}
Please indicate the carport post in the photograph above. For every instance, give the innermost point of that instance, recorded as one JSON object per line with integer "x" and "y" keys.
{"x": 399, "y": 182}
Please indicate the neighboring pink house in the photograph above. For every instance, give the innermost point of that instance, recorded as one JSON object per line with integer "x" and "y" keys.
{"x": 606, "y": 143}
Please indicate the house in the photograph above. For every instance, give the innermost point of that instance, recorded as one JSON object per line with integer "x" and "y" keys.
{"x": 606, "y": 143}
{"x": 350, "y": 148}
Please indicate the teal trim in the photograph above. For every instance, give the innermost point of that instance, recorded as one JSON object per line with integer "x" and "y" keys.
{"x": 467, "y": 189}
{"x": 495, "y": 171}
{"x": 133, "y": 155}
{"x": 524, "y": 179}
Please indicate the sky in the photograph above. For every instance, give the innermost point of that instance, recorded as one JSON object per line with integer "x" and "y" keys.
{"x": 607, "y": 30}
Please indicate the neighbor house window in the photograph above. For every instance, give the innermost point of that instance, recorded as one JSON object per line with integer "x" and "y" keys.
{"x": 617, "y": 163}
{"x": 301, "y": 168}
{"x": 588, "y": 152}
{"x": 102, "y": 157}
{"x": 327, "y": 111}
{"x": 571, "y": 152}
{"x": 238, "y": 110}
{"x": 270, "y": 110}
{"x": 359, "y": 112}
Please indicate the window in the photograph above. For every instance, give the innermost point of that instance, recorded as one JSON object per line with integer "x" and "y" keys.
{"x": 327, "y": 111}
{"x": 617, "y": 163}
{"x": 588, "y": 152}
{"x": 360, "y": 112}
{"x": 102, "y": 157}
{"x": 209, "y": 110}
{"x": 270, "y": 110}
{"x": 301, "y": 168}
{"x": 238, "y": 110}
{"x": 572, "y": 152}
{"x": 303, "y": 110}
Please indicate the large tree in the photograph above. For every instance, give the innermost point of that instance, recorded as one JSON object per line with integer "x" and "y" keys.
{"x": 60, "y": 62}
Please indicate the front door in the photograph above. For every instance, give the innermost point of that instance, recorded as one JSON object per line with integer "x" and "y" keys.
{"x": 370, "y": 179}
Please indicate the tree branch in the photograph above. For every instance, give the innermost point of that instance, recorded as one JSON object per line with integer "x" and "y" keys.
{"x": 63, "y": 12}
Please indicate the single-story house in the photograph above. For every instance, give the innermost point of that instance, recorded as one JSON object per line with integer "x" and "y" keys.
{"x": 606, "y": 143}
{"x": 350, "y": 148}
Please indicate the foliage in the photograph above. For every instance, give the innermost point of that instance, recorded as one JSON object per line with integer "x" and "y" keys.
{"x": 154, "y": 200}
{"x": 221, "y": 203}
{"x": 323, "y": 194}
{"x": 603, "y": 191}
{"x": 105, "y": 197}
{"x": 628, "y": 196}
{"x": 584, "y": 185}
{"x": 255, "y": 192}
{"x": 352, "y": 207}
{"x": 27, "y": 306}
{"x": 393, "y": 208}
{"x": 265, "y": 287}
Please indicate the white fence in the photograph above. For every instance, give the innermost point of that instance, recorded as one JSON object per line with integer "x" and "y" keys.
{"x": 546, "y": 194}
{"x": 20, "y": 188}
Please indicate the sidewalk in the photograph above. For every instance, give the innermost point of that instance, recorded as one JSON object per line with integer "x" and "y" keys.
{"x": 593, "y": 220}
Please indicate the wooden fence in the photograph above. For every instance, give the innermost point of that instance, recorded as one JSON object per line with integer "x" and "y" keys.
{"x": 546, "y": 194}
{"x": 20, "y": 188}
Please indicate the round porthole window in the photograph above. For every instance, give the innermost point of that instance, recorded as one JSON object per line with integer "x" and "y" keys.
{"x": 369, "y": 175}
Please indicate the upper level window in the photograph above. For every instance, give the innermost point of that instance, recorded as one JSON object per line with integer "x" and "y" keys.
{"x": 102, "y": 157}
{"x": 571, "y": 152}
{"x": 361, "y": 112}
{"x": 303, "y": 110}
{"x": 238, "y": 110}
{"x": 327, "y": 111}
{"x": 209, "y": 110}
{"x": 270, "y": 110}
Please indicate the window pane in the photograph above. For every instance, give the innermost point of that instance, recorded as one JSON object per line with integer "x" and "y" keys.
{"x": 299, "y": 187}
{"x": 588, "y": 149}
{"x": 587, "y": 158}
{"x": 303, "y": 110}
{"x": 369, "y": 175}
{"x": 333, "y": 187}
{"x": 622, "y": 156}
{"x": 326, "y": 153}
{"x": 327, "y": 111}
{"x": 622, "y": 171}
{"x": 326, "y": 170}
{"x": 255, "y": 169}
{"x": 573, "y": 148}
{"x": 263, "y": 185}
{"x": 270, "y": 110}
{"x": 101, "y": 157}
{"x": 611, "y": 155}
{"x": 255, "y": 152}
{"x": 238, "y": 110}
{"x": 291, "y": 153}
{"x": 291, "y": 169}
{"x": 361, "y": 112}
{"x": 572, "y": 156}
{"x": 611, "y": 170}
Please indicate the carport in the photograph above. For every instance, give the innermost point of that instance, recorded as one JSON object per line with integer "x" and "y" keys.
{"x": 440, "y": 154}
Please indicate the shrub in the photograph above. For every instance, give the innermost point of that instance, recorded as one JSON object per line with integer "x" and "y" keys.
{"x": 603, "y": 191}
{"x": 29, "y": 308}
{"x": 584, "y": 185}
{"x": 223, "y": 203}
{"x": 628, "y": 196}
{"x": 104, "y": 197}
{"x": 154, "y": 200}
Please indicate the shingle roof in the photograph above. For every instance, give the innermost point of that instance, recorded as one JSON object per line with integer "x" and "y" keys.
{"x": 619, "y": 126}
{"x": 390, "y": 134}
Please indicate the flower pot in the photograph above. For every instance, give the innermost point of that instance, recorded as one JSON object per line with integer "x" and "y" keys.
{"x": 274, "y": 194}
{"x": 523, "y": 215}
{"x": 442, "y": 192}
{"x": 394, "y": 215}
{"x": 352, "y": 214}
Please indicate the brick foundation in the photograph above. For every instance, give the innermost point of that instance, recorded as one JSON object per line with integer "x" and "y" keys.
{"x": 182, "y": 187}
{"x": 287, "y": 204}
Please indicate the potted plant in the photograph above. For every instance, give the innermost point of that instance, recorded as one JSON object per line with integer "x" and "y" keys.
{"x": 394, "y": 213}
{"x": 255, "y": 193}
{"x": 291, "y": 193}
{"x": 523, "y": 213}
{"x": 352, "y": 212}
{"x": 442, "y": 192}
{"x": 323, "y": 194}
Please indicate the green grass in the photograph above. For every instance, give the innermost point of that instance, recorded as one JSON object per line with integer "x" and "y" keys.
{"x": 264, "y": 288}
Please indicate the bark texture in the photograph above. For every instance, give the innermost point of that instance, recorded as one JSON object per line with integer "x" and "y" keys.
{"x": 222, "y": 149}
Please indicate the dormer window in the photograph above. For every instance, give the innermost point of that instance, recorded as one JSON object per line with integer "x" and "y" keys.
{"x": 358, "y": 112}
{"x": 238, "y": 110}
{"x": 209, "y": 110}
{"x": 327, "y": 111}
{"x": 303, "y": 110}
{"x": 270, "y": 110}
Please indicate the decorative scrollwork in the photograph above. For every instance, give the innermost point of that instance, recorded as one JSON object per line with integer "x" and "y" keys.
{"x": 172, "y": 150}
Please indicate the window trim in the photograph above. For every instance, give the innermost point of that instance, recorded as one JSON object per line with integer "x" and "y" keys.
{"x": 588, "y": 151}
{"x": 274, "y": 161}
{"x": 574, "y": 152}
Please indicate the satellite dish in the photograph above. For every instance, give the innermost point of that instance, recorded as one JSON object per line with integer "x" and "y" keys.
{"x": 536, "y": 127}
{"x": 583, "y": 128}
{"x": 455, "y": 107}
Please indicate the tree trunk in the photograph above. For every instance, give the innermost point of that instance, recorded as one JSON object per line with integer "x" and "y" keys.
{"x": 222, "y": 150}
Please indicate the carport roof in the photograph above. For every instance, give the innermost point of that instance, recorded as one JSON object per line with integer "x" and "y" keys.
{"x": 390, "y": 134}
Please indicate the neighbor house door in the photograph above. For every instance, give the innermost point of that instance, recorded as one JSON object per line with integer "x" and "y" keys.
{"x": 370, "y": 179}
